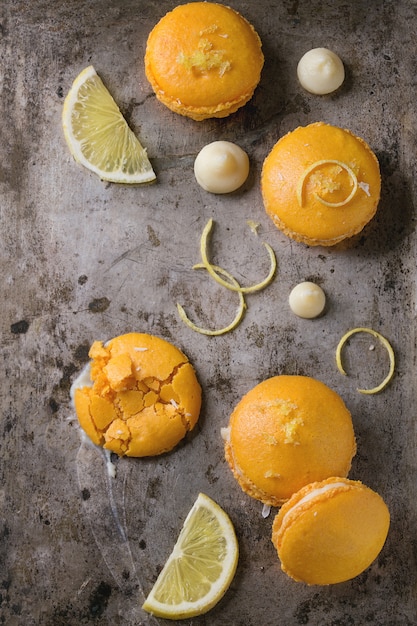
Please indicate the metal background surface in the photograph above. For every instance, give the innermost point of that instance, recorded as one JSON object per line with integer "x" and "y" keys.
{"x": 83, "y": 260}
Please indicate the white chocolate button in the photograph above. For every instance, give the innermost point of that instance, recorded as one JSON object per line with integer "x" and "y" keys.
{"x": 320, "y": 71}
{"x": 307, "y": 300}
{"x": 221, "y": 167}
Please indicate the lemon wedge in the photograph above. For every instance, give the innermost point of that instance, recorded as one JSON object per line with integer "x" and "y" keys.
{"x": 201, "y": 566}
{"x": 99, "y": 137}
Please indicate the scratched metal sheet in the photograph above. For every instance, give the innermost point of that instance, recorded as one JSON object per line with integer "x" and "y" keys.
{"x": 84, "y": 260}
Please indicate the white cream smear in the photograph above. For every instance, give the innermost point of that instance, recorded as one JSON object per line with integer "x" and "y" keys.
{"x": 83, "y": 380}
{"x": 310, "y": 496}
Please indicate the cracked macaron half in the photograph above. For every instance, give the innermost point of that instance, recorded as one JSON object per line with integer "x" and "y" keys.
{"x": 139, "y": 395}
{"x": 330, "y": 531}
{"x": 287, "y": 432}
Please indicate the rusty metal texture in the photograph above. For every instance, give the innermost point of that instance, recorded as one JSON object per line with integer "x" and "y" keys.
{"x": 83, "y": 260}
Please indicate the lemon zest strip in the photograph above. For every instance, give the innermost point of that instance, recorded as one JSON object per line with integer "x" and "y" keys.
{"x": 239, "y": 314}
{"x": 307, "y": 172}
{"x": 231, "y": 285}
{"x": 386, "y": 345}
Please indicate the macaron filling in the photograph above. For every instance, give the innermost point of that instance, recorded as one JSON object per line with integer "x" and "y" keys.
{"x": 330, "y": 531}
{"x": 314, "y": 493}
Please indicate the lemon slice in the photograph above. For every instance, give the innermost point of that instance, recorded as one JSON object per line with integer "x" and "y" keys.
{"x": 98, "y": 135}
{"x": 201, "y": 566}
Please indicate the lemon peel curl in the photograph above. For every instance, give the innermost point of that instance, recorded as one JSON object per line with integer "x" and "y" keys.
{"x": 229, "y": 285}
{"x": 386, "y": 345}
{"x": 239, "y": 313}
{"x": 316, "y": 164}
{"x": 224, "y": 278}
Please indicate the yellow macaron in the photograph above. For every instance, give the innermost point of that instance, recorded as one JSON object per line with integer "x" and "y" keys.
{"x": 142, "y": 398}
{"x": 286, "y": 432}
{"x": 203, "y": 60}
{"x": 321, "y": 184}
{"x": 330, "y": 531}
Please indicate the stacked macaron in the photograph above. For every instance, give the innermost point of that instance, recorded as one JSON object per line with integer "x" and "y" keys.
{"x": 290, "y": 443}
{"x": 330, "y": 531}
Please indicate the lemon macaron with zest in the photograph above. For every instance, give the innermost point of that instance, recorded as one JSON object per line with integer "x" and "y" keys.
{"x": 203, "y": 60}
{"x": 286, "y": 432}
{"x": 321, "y": 184}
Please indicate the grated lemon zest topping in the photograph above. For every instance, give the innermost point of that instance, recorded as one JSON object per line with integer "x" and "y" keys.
{"x": 311, "y": 168}
{"x": 205, "y": 58}
{"x": 270, "y": 439}
{"x": 271, "y": 474}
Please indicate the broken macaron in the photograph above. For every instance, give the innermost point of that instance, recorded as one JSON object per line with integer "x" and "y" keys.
{"x": 138, "y": 396}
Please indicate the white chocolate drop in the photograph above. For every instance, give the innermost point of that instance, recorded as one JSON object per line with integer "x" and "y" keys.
{"x": 221, "y": 167}
{"x": 320, "y": 71}
{"x": 307, "y": 300}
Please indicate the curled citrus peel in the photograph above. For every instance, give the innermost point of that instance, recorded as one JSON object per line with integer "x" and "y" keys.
{"x": 230, "y": 283}
{"x": 233, "y": 285}
{"x": 315, "y": 165}
{"x": 239, "y": 313}
{"x": 384, "y": 342}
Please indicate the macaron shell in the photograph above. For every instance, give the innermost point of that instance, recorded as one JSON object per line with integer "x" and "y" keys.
{"x": 287, "y": 432}
{"x": 152, "y": 354}
{"x": 315, "y": 223}
{"x": 143, "y": 398}
{"x": 203, "y": 60}
{"x": 333, "y": 537}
